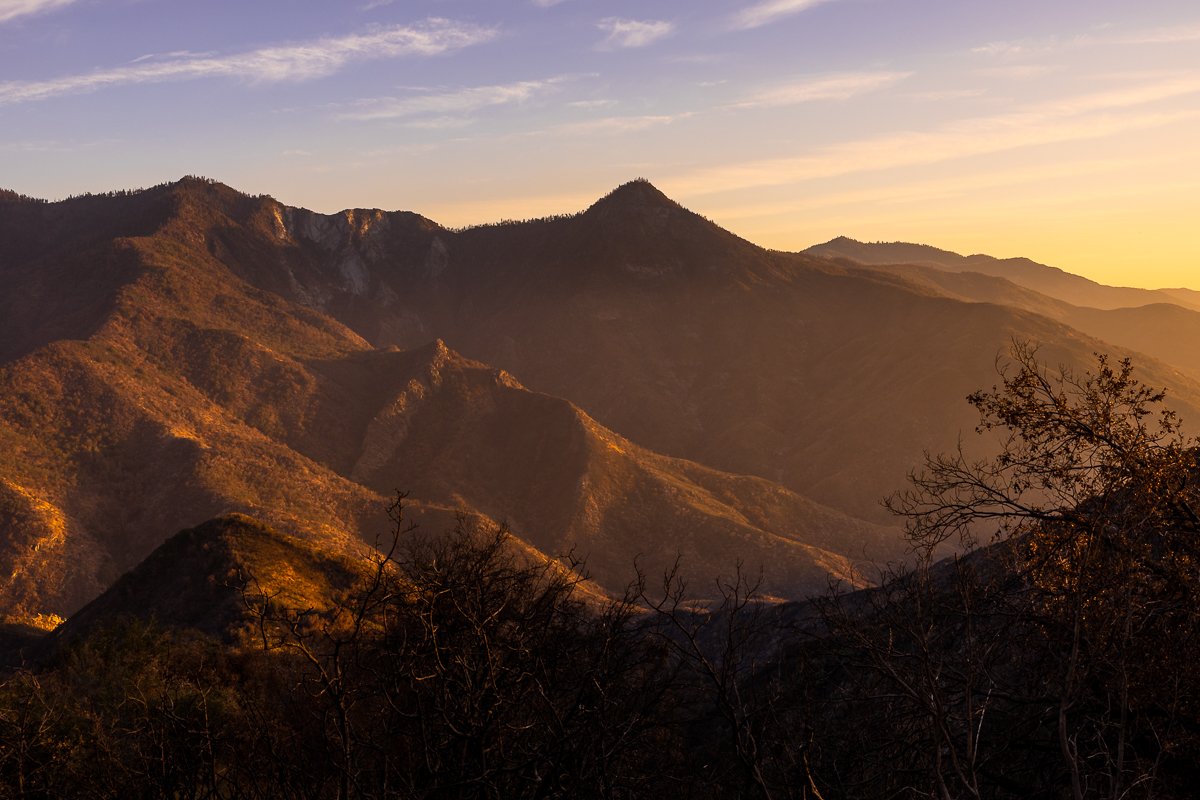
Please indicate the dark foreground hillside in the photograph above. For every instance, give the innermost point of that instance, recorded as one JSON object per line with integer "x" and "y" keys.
{"x": 1058, "y": 661}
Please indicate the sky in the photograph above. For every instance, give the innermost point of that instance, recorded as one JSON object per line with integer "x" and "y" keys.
{"x": 1062, "y": 130}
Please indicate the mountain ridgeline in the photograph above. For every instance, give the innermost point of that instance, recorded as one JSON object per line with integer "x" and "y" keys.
{"x": 359, "y": 506}
{"x": 627, "y": 385}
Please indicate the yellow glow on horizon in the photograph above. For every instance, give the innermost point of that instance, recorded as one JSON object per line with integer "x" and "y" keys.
{"x": 1103, "y": 182}
{"x": 1082, "y": 217}
{"x": 1097, "y": 225}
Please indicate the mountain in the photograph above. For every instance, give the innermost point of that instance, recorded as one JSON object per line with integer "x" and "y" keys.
{"x": 203, "y": 579}
{"x": 1162, "y": 330}
{"x": 462, "y": 433}
{"x": 1050, "y": 281}
{"x": 634, "y": 382}
{"x": 669, "y": 330}
{"x": 206, "y": 397}
{"x": 197, "y": 376}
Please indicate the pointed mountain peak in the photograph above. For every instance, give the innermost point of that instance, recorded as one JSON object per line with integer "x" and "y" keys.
{"x": 638, "y": 194}
{"x": 636, "y": 230}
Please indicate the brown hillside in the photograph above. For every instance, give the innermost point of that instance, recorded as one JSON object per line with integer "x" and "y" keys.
{"x": 658, "y": 323}
{"x": 1165, "y": 332}
{"x": 207, "y": 378}
{"x": 201, "y": 579}
{"x": 680, "y": 336}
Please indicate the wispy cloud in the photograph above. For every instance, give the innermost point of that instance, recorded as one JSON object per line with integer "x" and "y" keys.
{"x": 295, "y": 62}
{"x": 1018, "y": 72}
{"x": 615, "y": 125}
{"x": 768, "y": 11}
{"x": 173, "y": 55}
{"x": 1090, "y": 116}
{"x": 1179, "y": 34}
{"x": 546, "y": 3}
{"x": 455, "y": 102}
{"x": 600, "y": 103}
{"x": 1021, "y": 47}
{"x": 695, "y": 58}
{"x": 623, "y": 33}
{"x": 447, "y": 123}
{"x": 11, "y": 9}
{"x": 944, "y": 95}
{"x": 965, "y": 184}
{"x": 840, "y": 86}
{"x": 54, "y": 145}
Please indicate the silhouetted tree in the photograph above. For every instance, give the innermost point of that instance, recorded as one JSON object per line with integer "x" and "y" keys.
{"x": 460, "y": 669}
{"x": 1090, "y": 504}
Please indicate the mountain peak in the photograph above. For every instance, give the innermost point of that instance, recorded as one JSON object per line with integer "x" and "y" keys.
{"x": 207, "y": 190}
{"x": 638, "y": 193}
{"x": 200, "y": 182}
{"x": 881, "y": 252}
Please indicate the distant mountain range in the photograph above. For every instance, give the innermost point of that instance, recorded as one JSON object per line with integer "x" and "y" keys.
{"x": 1162, "y": 323}
{"x": 629, "y": 383}
{"x": 1049, "y": 281}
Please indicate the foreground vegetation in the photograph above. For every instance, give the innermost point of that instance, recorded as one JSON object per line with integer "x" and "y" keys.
{"x": 1058, "y": 657}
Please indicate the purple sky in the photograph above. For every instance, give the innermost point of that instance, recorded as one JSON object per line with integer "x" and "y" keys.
{"x": 1060, "y": 130}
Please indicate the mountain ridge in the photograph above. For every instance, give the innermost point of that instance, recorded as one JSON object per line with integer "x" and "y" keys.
{"x": 631, "y": 377}
{"x": 194, "y": 386}
{"x": 1048, "y": 280}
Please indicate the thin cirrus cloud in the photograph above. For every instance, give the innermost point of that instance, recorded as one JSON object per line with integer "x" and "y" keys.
{"x": 766, "y": 12}
{"x": 1089, "y": 116}
{"x": 11, "y": 9}
{"x": 626, "y": 33}
{"x": 961, "y": 185}
{"x": 612, "y": 126}
{"x": 1018, "y": 72}
{"x": 840, "y": 86}
{"x": 296, "y": 62}
{"x": 1180, "y": 34}
{"x": 443, "y": 105}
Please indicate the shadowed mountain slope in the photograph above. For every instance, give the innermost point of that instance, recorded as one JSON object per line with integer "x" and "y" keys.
{"x": 203, "y": 578}
{"x": 669, "y": 330}
{"x": 209, "y": 379}
{"x": 460, "y": 433}
{"x": 1167, "y": 332}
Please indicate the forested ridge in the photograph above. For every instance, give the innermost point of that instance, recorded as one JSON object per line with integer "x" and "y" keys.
{"x": 1054, "y": 656}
